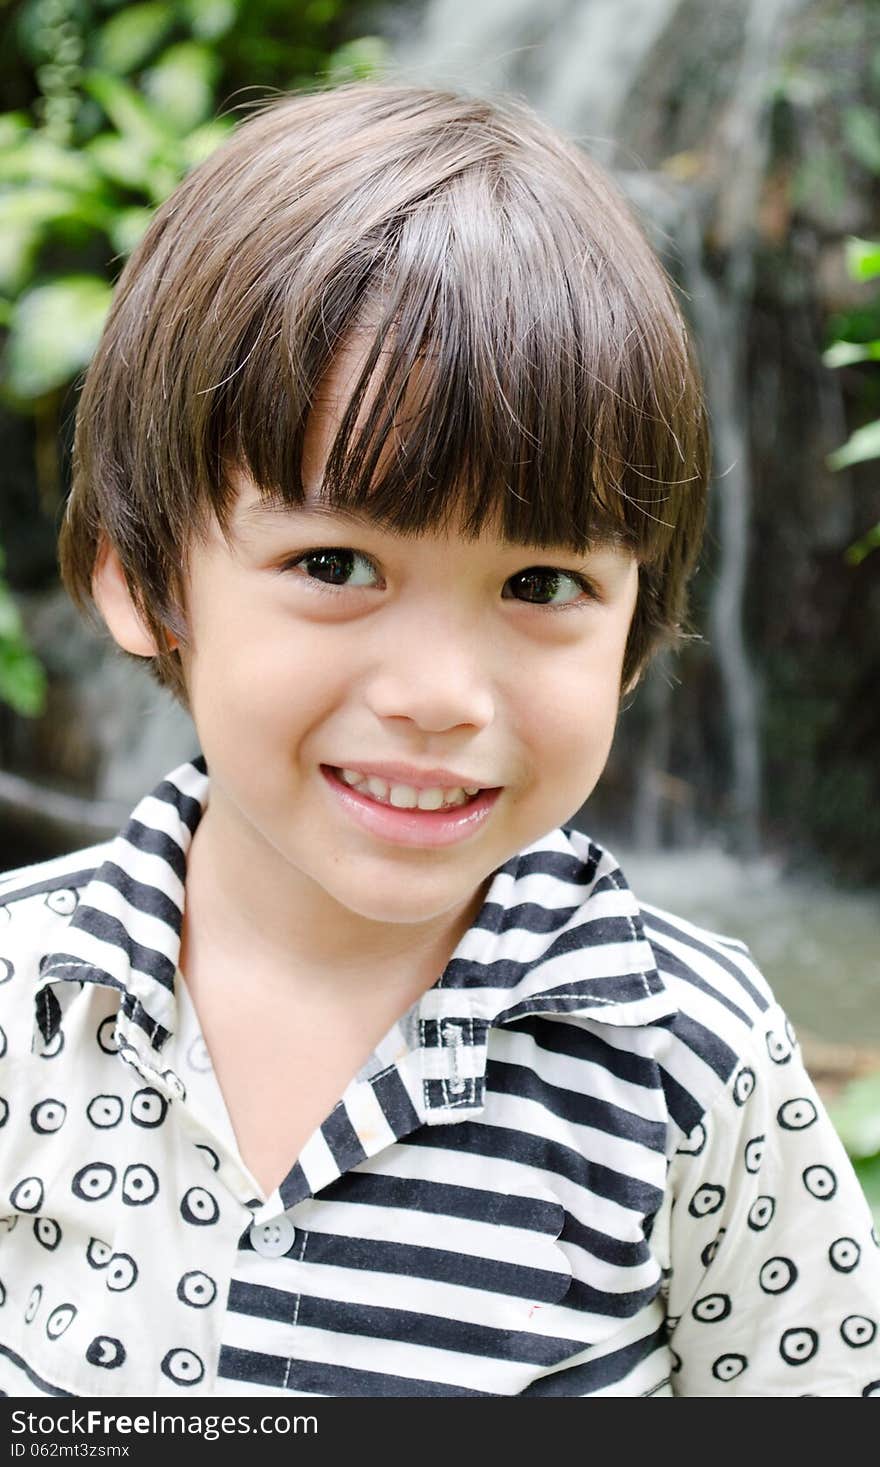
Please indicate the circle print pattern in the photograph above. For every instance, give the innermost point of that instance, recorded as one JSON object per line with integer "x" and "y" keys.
{"x": 47, "y": 1232}
{"x": 63, "y": 902}
{"x": 820, "y": 1182}
{"x": 728, "y": 1367}
{"x": 743, "y": 1087}
{"x": 708, "y": 1254}
{"x": 98, "y": 1254}
{"x": 105, "y": 1111}
{"x": 872, "y": 1388}
{"x": 106, "y": 1035}
{"x": 197, "y": 1056}
{"x": 54, "y": 1047}
{"x": 797, "y": 1346}
{"x": 4, "y": 1111}
{"x": 48, "y": 1116}
{"x": 175, "y": 1084}
{"x": 148, "y": 1108}
{"x": 27, "y": 1195}
{"x": 777, "y": 1275}
{"x": 796, "y": 1115}
{"x": 59, "y": 1320}
{"x": 198, "y": 1206}
{"x": 707, "y": 1199}
{"x": 94, "y": 1181}
{"x": 844, "y": 1254}
{"x": 711, "y": 1308}
{"x": 122, "y": 1272}
{"x": 197, "y": 1289}
{"x": 183, "y": 1367}
{"x": 694, "y": 1142}
{"x": 2, "y": 1042}
{"x": 33, "y": 1303}
{"x": 761, "y": 1213}
{"x": 857, "y": 1330}
{"x": 210, "y": 1156}
{"x": 139, "y": 1185}
{"x": 754, "y": 1153}
{"x": 106, "y": 1352}
{"x": 779, "y": 1047}
{"x": 7, "y": 970}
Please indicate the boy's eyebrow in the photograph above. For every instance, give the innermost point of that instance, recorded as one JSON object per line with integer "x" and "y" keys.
{"x": 275, "y": 508}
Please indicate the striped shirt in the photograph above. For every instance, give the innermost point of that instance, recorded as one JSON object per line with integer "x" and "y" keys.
{"x": 587, "y": 1162}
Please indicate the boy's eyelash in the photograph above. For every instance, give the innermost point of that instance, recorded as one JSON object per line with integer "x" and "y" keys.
{"x": 587, "y": 586}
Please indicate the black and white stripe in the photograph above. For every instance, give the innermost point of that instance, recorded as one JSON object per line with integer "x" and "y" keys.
{"x": 474, "y": 1218}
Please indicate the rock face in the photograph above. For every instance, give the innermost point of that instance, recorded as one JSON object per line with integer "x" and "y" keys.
{"x": 722, "y": 123}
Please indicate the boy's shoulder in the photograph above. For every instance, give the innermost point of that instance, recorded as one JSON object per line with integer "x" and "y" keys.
{"x": 38, "y": 901}
{"x": 27, "y": 890}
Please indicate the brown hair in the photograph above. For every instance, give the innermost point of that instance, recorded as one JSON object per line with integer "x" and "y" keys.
{"x": 557, "y": 387}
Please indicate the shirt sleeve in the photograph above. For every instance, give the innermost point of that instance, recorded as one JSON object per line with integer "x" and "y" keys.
{"x": 773, "y": 1263}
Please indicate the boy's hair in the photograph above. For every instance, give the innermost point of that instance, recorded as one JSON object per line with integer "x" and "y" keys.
{"x": 486, "y": 259}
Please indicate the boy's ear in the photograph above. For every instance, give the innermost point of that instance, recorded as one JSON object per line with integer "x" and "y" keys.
{"x": 116, "y": 605}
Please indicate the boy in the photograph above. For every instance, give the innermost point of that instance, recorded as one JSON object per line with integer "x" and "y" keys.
{"x": 356, "y": 1072}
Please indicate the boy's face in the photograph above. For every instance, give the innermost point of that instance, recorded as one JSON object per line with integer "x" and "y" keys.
{"x": 428, "y": 652}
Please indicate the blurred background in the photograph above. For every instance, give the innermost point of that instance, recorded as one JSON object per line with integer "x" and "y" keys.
{"x": 744, "y": 787}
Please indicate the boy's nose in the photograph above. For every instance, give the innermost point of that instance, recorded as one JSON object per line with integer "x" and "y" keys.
{"x": 436, "y": 679}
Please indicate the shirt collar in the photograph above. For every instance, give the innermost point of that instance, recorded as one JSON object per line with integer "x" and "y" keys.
{"x": 559, "y": 933}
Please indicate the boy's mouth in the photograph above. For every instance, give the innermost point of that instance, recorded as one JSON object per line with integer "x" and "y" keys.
{"x": 404, "y": 796}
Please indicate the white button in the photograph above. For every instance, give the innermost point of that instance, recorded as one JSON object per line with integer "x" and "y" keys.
{"x": 271, "y": 1239}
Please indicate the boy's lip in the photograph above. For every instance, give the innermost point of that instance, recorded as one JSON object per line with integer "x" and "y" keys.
{"x": 419, "y": 779}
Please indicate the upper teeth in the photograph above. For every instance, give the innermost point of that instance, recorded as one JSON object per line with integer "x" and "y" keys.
{"x": 406, "y": 796}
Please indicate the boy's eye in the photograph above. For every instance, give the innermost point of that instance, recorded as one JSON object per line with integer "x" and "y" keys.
{"x": 338, "y": 567}
{"x": 543, "y": 585}
{"x": 335, "y": 567}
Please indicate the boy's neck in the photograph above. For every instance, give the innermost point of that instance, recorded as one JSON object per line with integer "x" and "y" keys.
{"x": 246, "y": 905}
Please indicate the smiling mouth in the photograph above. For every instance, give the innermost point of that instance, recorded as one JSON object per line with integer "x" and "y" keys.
{"x": 399, "y": 796}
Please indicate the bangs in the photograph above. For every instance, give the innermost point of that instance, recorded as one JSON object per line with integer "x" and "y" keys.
{"x": 508, "y": 379}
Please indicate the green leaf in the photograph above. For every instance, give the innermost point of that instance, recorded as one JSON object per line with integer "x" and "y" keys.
{"x": 36, "y": 159}
{"x": 856, "y": 553}
{"x": 358, "y": 60}
{"x": 130, "y": 37}
{"x": 122, "y": 160}
{"x": 861, "y": 129}
{"x": 14, "y": 126}
{"x": 53, "y": 332}
{"x": 10, "y": 617}
{"x": 18, "y": 250}
{"x": 868, "y": 1173}
{"x": 129, "y": 228}
{"x": 845, "y": 353}
{"x": 862, "y": 258}
{"x": 128, "y": 111}
{"x": 202, "y": 142}
{"x": 860, "y": 446}
{"x": 182, "y": 82}
{"x": 22, "y": 680}
{"x": 209, "y": 19}
{"x": 41, "y": 206}
{"x": 856, "y": 1116}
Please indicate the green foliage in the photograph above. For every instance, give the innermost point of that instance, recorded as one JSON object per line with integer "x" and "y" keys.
{"x": 53, "y": 331}
{"x": 127, "y": 103}
{"x": 22, "y": 679}
{"x": 856, "y": 1115}
{"x": 863, "y": 263}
